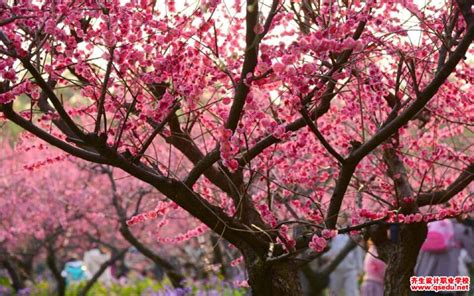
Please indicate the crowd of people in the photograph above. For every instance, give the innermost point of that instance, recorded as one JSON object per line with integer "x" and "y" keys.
{"x": 448, "y": 251}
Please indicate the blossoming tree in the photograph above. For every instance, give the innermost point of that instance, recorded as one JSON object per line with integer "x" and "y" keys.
{"x": 48, "y": 212}
{"x": 259, "y": 117}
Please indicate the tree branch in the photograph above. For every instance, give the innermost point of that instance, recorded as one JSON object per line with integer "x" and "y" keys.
{"x": 250, "y": 62}
{"x": 422, "y": 99}
{"x": 52, "y": 96}
{"x": 175, "y": 278}
{"x": 439, "y": 197}
{"x": 102, "y": 269}
{"x": 334, "y": 263}
{"x": 319, "y": 111}
{"x": 320, "y": 137}
{"x": 7, "y": 110}
{"x": 392, "y": 127}
{"x": 52, "y": 264}
{"x": 103, "y": 93}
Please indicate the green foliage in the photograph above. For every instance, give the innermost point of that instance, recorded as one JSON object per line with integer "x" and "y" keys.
{"x": 116, "y": 289}
{"x": 4, "y": 281}
{"x": 42, "y": 288}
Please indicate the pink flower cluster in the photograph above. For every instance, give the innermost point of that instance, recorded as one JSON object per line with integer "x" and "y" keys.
{"x": 318, "y": 243}
{"x": 161, "y": 209}
{"x": 237, "y": 261}
{"x": 48, "y": 160}
{"x": 271, "y": 126}
{"x": 288, "y": 242}
{"x": 325, "y": 45}
{"x": 394, "y": 217}
{"x": 267, "y": 215}
{"x": 228, "y": 150}
{"x": 328, "y": 233}
{"x": 372, "y": 215}
{"x": 184, "y": 236}
{"x": 312, "y": 214}
{"x": 26, "y": 87}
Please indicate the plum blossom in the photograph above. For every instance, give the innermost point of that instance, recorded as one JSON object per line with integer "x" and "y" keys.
{"x": 318, "y": 244}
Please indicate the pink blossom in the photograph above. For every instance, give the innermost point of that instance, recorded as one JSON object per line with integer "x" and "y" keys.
{"x": 329, "y": 233}
{"x": 258, "y": 29}
{"x": 318, "y": 243}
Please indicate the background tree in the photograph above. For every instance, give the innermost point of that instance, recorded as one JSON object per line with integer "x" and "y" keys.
{"x": 69, "y": 217}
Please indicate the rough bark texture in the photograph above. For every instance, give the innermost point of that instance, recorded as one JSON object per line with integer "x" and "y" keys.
{"x": 400, "y": 253}
{"x": 272, "y": 278}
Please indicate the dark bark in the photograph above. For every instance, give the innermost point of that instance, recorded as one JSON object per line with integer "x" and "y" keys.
{"x": 53, "y": 267}
{"x": 400, "y": 254}
{"x": 90, "y": 283}
{"x": 250, "y": 62}
{"x": 175, "y": 277}
{"x": 18, "y": 282}
{"x": 218, "y": 257}
{"x": 26, "y": 265}
{"x": 272, "y": 278}
{"x": 317, "y": 282}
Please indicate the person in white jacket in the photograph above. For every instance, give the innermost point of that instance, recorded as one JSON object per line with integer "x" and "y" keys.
{"x": 344, "y": 279}
{"x": 93, "y": 259}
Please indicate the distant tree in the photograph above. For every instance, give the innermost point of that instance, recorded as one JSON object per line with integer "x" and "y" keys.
{"x": 47, "y": 213}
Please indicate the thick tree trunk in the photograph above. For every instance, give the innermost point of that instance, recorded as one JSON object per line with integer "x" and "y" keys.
{"x": 275, "y": 280}
{"x": 317, "y": 282}
{"x": 400, "y": 252}
{"x": 272, "y": 278}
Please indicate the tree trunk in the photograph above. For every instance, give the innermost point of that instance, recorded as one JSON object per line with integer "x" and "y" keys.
{"x": 272, "y": 278}
{"x": 317, "y": 282}
{"x": 53, "y": 266}
{"x": 17, "y": 280}
{"x": 400, "y": 252}
{"x": 174, "y": 276}
{"x": 218, "y": 257}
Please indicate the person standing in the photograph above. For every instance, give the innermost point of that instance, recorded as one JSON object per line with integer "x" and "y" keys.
{"x": 374, "y": 272}
{"x": 439, "y": 255}
{"x": 93, "y": 259}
